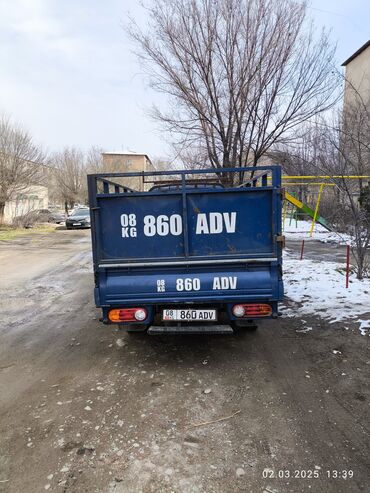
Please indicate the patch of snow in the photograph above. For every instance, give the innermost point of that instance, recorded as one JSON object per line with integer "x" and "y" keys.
{"x": 318, "y": 288}
{"x": 364, "y": 325}
{"x": 304, "y": 331}
{"x": 301, "y": 231}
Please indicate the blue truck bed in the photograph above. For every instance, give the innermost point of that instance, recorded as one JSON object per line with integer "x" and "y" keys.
{"x": 187, "y": 246}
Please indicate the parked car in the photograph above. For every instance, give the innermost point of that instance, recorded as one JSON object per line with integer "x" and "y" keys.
{"x": 40, "y": 216}
{"x": 52, "y": 216}
{"x": 79, "y": 218}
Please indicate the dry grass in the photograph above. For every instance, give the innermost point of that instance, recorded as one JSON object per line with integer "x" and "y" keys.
{"x": 8, "y": 233}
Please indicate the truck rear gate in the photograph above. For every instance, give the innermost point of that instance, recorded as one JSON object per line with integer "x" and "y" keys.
{"x": 187, "y": 244}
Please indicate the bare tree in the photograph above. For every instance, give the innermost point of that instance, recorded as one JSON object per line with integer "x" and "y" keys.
{"x": 70, "y": 176}
{"x": 241, "y": 75}
{"x": 298, "y": 157}
{"x": 94, "y": 160}
{"x": 161, "y": 163}
{"x": 20, "y": 162}
{"x": 340, "y": 147}
{"x": 345, "y": 150}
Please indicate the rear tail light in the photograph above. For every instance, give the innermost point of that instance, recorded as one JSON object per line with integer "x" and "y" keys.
{"x": 238, "y": 310}
{"x": 127, "y": 315}
{"x": 140, "y": 315}
{"x": 252, "y": 310}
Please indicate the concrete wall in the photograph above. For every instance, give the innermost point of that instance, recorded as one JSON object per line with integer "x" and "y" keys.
{"x": 358, "y": 78}
{"x": 32, "y": 198}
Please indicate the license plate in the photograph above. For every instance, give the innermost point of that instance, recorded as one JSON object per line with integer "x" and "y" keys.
{"x": 76, "y": 224}
{"x": 190, "y": 315}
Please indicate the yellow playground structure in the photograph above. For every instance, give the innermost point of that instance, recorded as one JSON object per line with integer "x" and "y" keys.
{"x": 324, "y": 181}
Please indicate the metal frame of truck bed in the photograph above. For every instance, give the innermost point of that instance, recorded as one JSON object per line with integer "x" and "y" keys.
{"x": 114, "y": 263}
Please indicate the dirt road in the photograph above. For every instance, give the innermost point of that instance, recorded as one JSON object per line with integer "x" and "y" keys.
{"x": 87, "y": 408}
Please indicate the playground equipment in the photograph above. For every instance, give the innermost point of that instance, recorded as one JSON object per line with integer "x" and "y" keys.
{"x": 304, "y": 208}
{"x": 316, "y": 218}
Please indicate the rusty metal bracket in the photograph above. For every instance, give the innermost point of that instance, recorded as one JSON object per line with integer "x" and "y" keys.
{"x": 281, "y": 239}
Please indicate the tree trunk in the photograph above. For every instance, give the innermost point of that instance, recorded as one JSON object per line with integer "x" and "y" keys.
{"x": 360, "y": 262}
{"x": 2, "y": 210}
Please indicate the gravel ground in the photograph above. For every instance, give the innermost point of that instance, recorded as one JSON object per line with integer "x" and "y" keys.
{"x": 87, "y": 408}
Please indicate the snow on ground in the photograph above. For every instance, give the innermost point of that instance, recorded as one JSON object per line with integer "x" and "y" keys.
{"x": 364, "y": 325}
{"x": 300, "y": 230}
{"x": 318, "y": 288}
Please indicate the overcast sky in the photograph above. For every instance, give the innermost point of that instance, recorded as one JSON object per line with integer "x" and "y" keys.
{"x": 68, "y": 75}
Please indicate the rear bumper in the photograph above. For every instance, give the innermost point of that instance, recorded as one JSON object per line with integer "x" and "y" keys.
{"x": 224, "y": 312}
{"x": 191, "y": 329}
